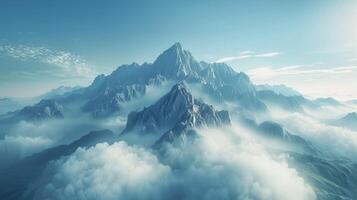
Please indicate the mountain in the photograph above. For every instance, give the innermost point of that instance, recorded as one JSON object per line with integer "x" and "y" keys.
{"x": 173, "y": 114}
{"x": 8, "y": 104}
{"x": 347, "y": 121}
{"x": 107, "y": 93}
{"x": 45, "y": 109}
{"x": 329, "y": 101}
{"x": 273, "y": 132}
{"x": 176, "y": 63}
{"x": 109, "y": 101}
{"x": 331, "y": 179}
{"x": 290, "y": 103}
{"x": 279, "y": 89}
{"x": 15, "y": 180}
{"x": 57, "y": 92}
{"x": 13, "y": 104}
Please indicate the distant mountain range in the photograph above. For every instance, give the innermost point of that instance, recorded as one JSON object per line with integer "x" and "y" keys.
{"x": 279, "y": 89}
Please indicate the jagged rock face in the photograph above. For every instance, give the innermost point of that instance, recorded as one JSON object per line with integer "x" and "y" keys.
{"x": 178, "y": 107}
{"x": 107, "y": 93}
{"x": 46, "y": 109}
{"x": 174, "y": 64}
{"x": 111, "y": 99}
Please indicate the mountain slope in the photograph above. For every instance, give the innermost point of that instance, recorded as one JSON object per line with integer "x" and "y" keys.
{"x": 106, "y": 94}
{"x": 279, "y": 89}
{"x": 347, "y": 121}
{"x": 176, "y": 111}
{"x": 45, "y": 109}
{"x": 8, "y": 104}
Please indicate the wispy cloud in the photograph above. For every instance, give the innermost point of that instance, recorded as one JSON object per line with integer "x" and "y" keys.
{"x": 268, "y": 72}
{"x": 248, "y": 54}
{"x": 70, "y": 64}
{"x": 269, "y": 54}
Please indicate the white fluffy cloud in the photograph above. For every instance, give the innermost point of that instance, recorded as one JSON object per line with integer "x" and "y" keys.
{"x": 218, "y": 166}
{"x": 13, "y": 148}
{"x": 335, "y": 141}
{"x": 26, "y": 138}
{"x": 107, "y": 172}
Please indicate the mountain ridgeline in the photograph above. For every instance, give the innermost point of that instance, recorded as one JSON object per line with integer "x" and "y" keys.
{"x": 106, "y": 94}
{"x": 175, "y": 116}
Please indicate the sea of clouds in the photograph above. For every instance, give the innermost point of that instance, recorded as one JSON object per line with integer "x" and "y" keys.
{"x": 226, "y": 163}
{"x": 221, "y": 164}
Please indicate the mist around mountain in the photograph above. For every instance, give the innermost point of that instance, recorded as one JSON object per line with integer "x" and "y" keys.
{"x": 7, "y": 104}
{"x": 347, "y": 121}
{"x": 279, "y": 89}
{"x": 178, "y": 128}
{"x": 10, "y": 104}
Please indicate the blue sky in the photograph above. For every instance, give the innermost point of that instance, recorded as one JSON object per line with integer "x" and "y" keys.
{"x": 309, "y": 45}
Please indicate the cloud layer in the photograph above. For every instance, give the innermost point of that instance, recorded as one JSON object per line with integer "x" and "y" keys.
{"x": 217, "y": 166}
{"x": 331, "y": 140}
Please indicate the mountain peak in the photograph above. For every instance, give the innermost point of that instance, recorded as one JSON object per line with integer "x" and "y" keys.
{"x": 175, "y": 62}
{"x": 45, "y": 109}
{"x": 350, "y": 116}
{"x": 174, "y": 53}
{"x": 177, "y": 47}
{"x": 176, "y": 108}
{"x": 179, "y": 88}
